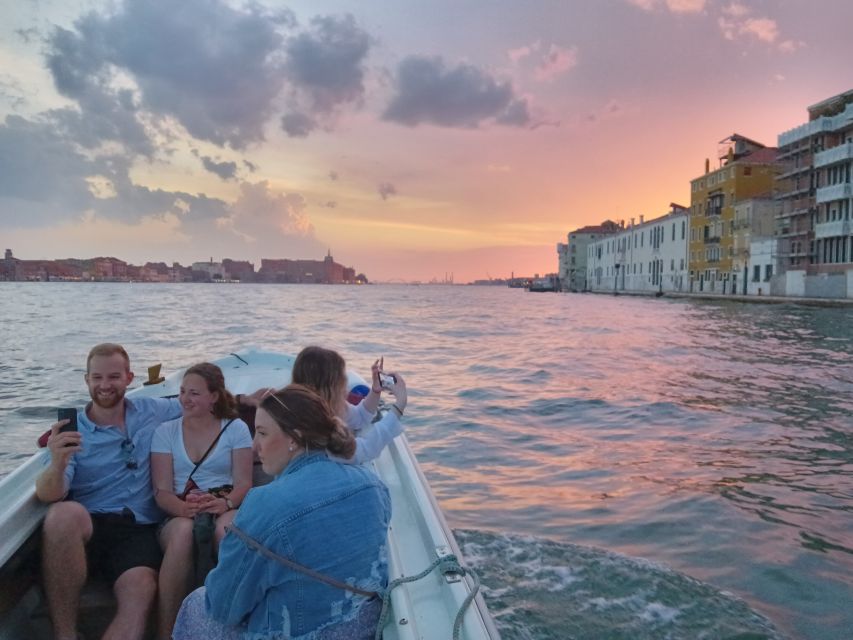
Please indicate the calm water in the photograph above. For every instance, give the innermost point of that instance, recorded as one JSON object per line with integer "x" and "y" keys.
{"x": 614, "y": 467}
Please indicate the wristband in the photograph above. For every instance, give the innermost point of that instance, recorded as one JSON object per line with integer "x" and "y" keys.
{"x": 399, "y": 410}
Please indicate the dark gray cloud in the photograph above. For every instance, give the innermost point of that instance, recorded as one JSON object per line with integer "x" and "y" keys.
{"x": 42, "y": 175}
{"x": 325, "y": 69}
{"x": 251, "y": 166}
{"x": 429, "y": 92}
{"x": 386, "y": 189}
{"x": 333, "y": 175}
{"x": 298, "y": 125}
{"x": 225, "y": 170}
{"x": 327, "y": 61}
{"x": 44, "y": 179}
{"x": 215, "y": 69}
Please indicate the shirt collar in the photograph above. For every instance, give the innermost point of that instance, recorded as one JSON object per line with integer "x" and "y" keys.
{"x": 308, "y": 457}
{"x": 129, "y": 408}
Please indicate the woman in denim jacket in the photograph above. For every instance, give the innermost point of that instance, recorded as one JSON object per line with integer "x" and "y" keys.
{"x": 328, "y": 517}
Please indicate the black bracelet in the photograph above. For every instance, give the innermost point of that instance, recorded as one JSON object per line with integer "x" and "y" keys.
{"x": 399, "y": 410}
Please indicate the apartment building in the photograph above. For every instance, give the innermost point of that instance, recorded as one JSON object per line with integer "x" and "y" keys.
{"x": 746, "y": 169}
{"x": 813, "y": 202}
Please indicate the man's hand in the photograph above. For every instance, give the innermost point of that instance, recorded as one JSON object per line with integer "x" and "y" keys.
{"x": 63, "y": 445}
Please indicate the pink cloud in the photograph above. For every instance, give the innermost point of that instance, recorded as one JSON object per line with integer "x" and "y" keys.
{"x": 764, "y": 29}
{"x": 558, "y": 60}
{"x": 685, "y": 6}
{"x": 736, "y": 21}
{"x": 676, "y": 6}
{"x": 735, "y": 10}
{"x": 516, "y": 55}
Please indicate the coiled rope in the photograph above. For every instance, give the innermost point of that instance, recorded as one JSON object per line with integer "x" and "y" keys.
{"x": 446, "y": 564}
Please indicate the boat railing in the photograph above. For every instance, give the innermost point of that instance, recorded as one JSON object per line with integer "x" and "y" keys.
{"x": 21, "y": 512}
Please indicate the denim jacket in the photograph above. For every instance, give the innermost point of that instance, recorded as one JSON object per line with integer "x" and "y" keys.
{"x": 327, "y": 516}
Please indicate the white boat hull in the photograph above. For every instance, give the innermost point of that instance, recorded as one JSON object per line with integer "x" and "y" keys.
{"x": 418, "y": 533}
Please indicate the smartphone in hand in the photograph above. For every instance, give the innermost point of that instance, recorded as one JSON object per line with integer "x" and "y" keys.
{"x": 387, "y": 381}
{"x": 71, "y": 416}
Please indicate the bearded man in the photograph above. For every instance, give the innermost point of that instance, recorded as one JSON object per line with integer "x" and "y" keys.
{"x": 103, "y": 516}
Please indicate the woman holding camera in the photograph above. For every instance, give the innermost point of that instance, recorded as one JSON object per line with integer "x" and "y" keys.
{"x": 324, "y": 371}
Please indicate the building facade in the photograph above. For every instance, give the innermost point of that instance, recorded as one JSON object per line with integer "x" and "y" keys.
{"x": 747, "y": 169}
{"x": 754, "y": 245}
{"x": 814, "y": 197}
{"x": 573, "y": 255}
{"x": 647, "y": 257}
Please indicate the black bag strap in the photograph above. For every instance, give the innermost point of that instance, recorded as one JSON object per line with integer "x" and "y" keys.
{"x": 209, "y": 449}
{"x": 290, "y": 564}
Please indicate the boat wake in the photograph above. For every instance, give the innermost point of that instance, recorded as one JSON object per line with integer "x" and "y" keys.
{"x": 538, "y": 588}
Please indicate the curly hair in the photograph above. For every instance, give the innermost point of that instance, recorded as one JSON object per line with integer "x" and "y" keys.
{"x": 307, "y": 418}
{"x": 226, "y": 405}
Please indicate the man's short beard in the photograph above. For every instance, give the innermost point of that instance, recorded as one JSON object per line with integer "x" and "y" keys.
{"x": 113, "y": 401}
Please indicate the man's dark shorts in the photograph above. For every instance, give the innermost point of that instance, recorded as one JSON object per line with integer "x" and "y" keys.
{"x": 118, "y": 543}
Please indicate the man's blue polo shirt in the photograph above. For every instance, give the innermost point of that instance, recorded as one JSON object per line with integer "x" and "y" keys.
{"x": 113, "y": 471}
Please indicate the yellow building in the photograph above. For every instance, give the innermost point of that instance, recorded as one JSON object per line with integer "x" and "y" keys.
{"x": 747, "y": 169}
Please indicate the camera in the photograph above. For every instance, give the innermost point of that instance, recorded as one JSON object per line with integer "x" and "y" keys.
{"x": 387, "y": 381}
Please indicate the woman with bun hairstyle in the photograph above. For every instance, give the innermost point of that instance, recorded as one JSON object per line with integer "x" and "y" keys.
{"x": 324, "y": 371}
{"x": 317, "y": 516}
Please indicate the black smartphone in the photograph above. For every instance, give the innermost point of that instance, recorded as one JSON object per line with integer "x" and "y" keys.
{"x": 71, "y": 416}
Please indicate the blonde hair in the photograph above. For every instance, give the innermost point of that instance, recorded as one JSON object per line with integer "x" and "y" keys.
{"x": 107, "y": 349}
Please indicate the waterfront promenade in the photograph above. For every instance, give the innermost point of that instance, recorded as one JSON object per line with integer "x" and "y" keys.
{"x": 720, "y": 297}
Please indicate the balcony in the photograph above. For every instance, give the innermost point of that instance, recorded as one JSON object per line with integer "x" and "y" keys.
{"x": 834, "y": 192}
{"x": 837, "y": 154}
{"x": 805, "y": 130}
{"x": 832, "y": 229}
{"x": 790, "y": 173}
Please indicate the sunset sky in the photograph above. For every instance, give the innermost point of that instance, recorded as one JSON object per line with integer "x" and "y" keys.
{"x": 412, "y": 139}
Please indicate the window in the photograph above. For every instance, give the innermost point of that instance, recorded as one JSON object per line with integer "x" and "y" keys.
{"x": 683, "y": 225}
{"x": 756, "y": 273}
{"x": 768, "y": 272}
{"x": 673, "y": 231}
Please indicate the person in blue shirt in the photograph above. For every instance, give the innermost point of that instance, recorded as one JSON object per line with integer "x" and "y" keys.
{"x": 317, "y": 515}
{"x": 103, "y": 516}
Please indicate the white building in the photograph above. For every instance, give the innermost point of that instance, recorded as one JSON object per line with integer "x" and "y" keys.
{"x": 643, "y": 258}
{"x": 573, "y": 256}
{"x": 213, "y": 269}
{"x": 762, "y": 257}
